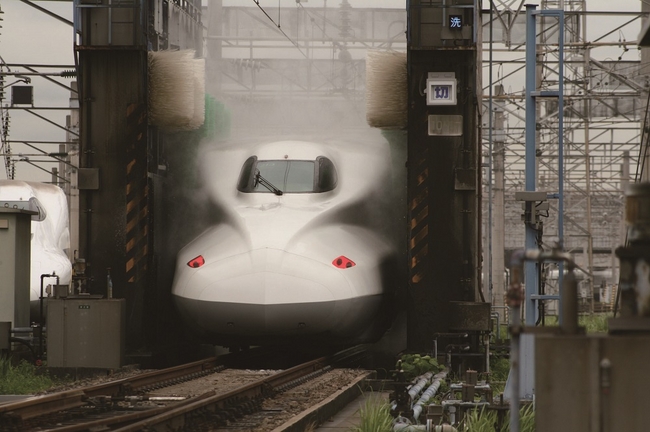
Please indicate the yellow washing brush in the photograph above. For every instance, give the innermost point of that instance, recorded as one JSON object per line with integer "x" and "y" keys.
{"x": 176, "y": 90}
{"x": 386, "y": 89}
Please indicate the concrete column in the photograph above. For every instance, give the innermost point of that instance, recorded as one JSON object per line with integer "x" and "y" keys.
{"x": 498, "y": 203}
{"x": 72, "y": 188}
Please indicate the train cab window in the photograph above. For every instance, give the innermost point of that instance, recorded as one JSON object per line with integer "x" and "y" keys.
{"x": 288, "y": 176}
{"x": 327, "y": 177}
{"x": 246, "y": 176}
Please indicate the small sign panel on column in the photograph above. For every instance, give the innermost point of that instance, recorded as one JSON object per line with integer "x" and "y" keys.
{"x": 445, "y": 125}
{"x": 441, "y": 89}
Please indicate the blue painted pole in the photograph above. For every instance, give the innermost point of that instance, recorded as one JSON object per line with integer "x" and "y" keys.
{"x": 530, "y": 267}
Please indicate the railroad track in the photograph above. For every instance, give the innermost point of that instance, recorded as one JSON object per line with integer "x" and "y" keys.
{"x": 130, "y": 404}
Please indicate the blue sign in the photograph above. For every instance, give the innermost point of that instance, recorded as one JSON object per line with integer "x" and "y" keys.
{"x": 455, "y": 22}
{"x": 441, "y": 92}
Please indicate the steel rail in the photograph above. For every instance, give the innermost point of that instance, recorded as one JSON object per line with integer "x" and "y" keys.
{"x": 54, "y": 402}
{"x": 102, "y": 424}
{"x": 39, "y": 405}
{"x": 160, "y": 378}
{"x": 251, "y": 392}
{"x": 223, "y": 406}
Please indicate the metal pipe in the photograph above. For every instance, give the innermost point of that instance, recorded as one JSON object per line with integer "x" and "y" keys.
{"x": 429, "y": 393}
{"x": 405, "y": 427}
{"x": 26, "y": 343}
{"x": 40, "y": 318}
{"x": 505, "y": 307}
{"x": 498, "y": 319}
{"x": 486, "y": 338}
{"x": 422, "y": 381}
{"x": 514, "y": 298}
{"x": 514, "y": 369}
{"x": 452, "y": 414}
{"x": 569, "y": 298}
{"x": 569, "y": 287}
{"x": 16, "y": 330}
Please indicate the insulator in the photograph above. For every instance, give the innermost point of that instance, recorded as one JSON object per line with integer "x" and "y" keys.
{"x": 344, "y": 13}
{"x": 69, "y": 73}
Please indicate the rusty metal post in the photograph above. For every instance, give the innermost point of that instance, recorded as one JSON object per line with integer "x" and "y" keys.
{"x": 514, "y": 298}
{"x": 569, "y": 299}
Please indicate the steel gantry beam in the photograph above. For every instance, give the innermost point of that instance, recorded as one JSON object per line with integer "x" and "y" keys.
{"x": 605, "y": 91}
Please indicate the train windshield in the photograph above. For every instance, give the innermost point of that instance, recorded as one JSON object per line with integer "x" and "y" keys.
{"x": 288, "y": 176}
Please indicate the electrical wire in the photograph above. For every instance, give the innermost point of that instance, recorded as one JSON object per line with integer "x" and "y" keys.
{"x": 311, "y": 61}
{"x": 257, "y": 2}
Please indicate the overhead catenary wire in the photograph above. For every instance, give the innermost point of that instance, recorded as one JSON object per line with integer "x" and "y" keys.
{"x": 277, "y": 25}
{"x": 296, "y": 45}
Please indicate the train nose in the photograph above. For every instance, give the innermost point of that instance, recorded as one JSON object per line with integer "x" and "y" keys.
{"x": 266, "y": 292}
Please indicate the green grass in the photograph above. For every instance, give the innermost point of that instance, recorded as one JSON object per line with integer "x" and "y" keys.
{"x": 482, "y": 420}
{"x": 414, "y": 365}
{"x": 499, "y": 369}
{"x": 374, "y": 416}
{"x": 504, "y": 333}
{"x": 22, "y": 379}
{"x": 479, "y": 420}
{"x": 595, "y": 323}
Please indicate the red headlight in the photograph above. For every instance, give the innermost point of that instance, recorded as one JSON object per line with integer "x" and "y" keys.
{"x": 196, "y": 262}
{"x": 343, "y": 262}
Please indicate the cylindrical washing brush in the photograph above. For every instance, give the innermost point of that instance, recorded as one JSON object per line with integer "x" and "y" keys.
{"x": 386, "y": 89}
{"x": 176, "y": 90}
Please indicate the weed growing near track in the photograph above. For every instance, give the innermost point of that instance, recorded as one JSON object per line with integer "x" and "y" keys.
{"x": 595, "y": 323}
{"x": 22, "y": 379}
{"x": 414, "y": 365}
{"x": 499, "y": 369}
{"x": 486, "y": 421}
{"x": 374, "y": 417}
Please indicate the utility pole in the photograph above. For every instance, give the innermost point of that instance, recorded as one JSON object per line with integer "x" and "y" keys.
{"x": 587, "y": 110}
{"x": 498, "y": 233}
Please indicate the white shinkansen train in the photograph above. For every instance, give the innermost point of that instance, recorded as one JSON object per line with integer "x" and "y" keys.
{"x": 308, "y": 245}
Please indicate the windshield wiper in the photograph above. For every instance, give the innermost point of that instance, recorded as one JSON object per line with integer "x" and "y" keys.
{"x": 267, "y": 184}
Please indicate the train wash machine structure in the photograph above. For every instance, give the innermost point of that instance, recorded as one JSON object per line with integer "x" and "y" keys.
{"x": 125, "y": 55}
{"x": 445, "y": 310}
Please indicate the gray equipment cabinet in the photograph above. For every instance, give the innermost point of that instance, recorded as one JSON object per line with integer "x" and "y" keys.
{"x": 594, "y": 383}
{"x": 15, "y": 259}
{"x": 85, "y": 333}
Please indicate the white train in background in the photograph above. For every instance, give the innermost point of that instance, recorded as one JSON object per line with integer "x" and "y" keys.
{"x": 50, "y": 241}
{"x": 309, "y": 243}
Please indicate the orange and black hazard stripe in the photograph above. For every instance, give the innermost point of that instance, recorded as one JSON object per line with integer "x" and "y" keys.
{"x": 137, "y": 194}
{"x": 419, "y": 219}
